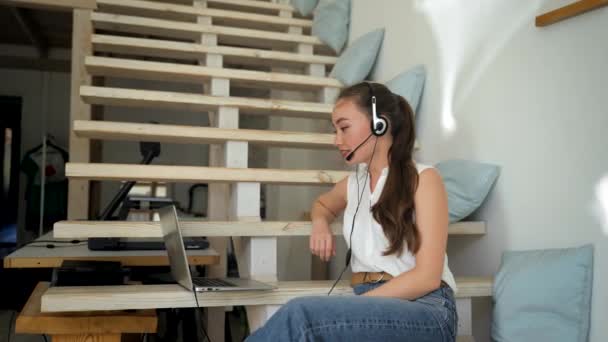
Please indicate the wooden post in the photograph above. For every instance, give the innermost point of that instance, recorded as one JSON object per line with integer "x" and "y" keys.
{"x": 218, "y": 193}
{"x": 79, "y": 149}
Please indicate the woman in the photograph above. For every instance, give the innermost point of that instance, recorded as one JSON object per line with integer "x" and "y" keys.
{"x": 395, "y": 222}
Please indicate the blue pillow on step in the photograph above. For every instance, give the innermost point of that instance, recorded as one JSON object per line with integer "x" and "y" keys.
{"x": 409, "y": 84}
{"x": 467, "y": 184}
{"x": 357, "y": 61}
{"x": 331, "y": 23}
{"x": 543, "y": 295}
{"x": 304, "y": 7}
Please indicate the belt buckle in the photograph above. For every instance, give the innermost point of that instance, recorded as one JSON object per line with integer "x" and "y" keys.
{"x": 378, "y": 280}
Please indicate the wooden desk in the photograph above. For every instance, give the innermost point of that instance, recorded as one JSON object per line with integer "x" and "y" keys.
{"x": 42, "y": 257}
{"x": 100, "y": 326}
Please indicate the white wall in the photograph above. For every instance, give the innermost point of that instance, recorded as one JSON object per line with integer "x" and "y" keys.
{"x": 532, "y": 100}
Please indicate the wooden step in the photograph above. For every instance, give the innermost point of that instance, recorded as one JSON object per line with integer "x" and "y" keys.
{"x": 251, "y": 6}
{"x": 199, "y": 174}
{"x": 141, "y": 229}
{"x": 129, "y": 68}
{"x": 190, "y": 13}
{"x": 201, "y": 103}
{"x": 190, "y": 31}
{"x": 128, "y": 297}
{"x": 108, "y": 130}
{"x": 192, "y": 51}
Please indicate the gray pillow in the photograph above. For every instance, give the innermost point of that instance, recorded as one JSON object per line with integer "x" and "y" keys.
{"x": 357, "y": 61}
{"x": 409, "y": 84}
{"x": 467, "y": 184}
{"x": 304, "y": 7}
{"x": 543, "y": 295}
{"x": 331, "y": 23}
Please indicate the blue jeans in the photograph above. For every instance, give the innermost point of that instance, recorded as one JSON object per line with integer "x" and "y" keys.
{"x": 431, "y": 318}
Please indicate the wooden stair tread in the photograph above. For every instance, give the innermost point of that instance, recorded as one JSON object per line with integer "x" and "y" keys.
{"x": 108, "y": 130}
{"x": 129, "y": 68}
{"x": 256, "y": 4}
{"x": 192, "y": 31}
{"x": 190, "y": 13}
{"x": 32, "y": 321}
{"x": 201, "y": 103}
{"x": 168, "y": 173}
{"x": 191, "y": 51}
{"x": 143, "y": 229}
{"x": 123, "y": 297}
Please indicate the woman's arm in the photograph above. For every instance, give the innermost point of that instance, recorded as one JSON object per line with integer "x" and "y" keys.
{"x": 324, "y": 210}
{"x": 432, "y": 219}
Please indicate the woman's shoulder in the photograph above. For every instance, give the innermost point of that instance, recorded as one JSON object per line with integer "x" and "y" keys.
{"x": 421, "y": 167}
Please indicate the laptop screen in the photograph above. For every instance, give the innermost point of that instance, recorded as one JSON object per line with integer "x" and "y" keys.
{"x": 174, "y": 245}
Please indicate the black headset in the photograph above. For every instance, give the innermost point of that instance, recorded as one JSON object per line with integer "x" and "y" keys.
{"x": 379, "y": 124}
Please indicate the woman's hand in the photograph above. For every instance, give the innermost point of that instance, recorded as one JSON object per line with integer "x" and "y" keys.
{"x": 322, "y": 241}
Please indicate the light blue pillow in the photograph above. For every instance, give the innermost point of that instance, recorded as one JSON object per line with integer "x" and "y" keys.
{"x": 304, "y": 7}
{"x": 409, "y": 84}
{"x": 543, "y": 295}
{"x": 358, "y": 59}
{"x": 331, "y": 23}
{"x": 467, "y": 184}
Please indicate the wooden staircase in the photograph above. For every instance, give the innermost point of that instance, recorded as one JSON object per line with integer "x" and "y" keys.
{"x": 220, "y": 45}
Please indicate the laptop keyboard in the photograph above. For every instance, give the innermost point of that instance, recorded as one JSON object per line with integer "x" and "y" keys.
{"x": 211, "y": 282}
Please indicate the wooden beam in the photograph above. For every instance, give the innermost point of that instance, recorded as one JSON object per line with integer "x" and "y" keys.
{"x": 32, "y": 321}
{"x": 189, "y": 51}
{"x": 61, "y": 5}
{"x": 189, "y": 13}
{"x": 182, "y": 30}
{"x": 108, "y": 130}
{"x": 569, "y": 11}
{"x": 201, "y": 103}
{"x": 95, "y": 298}
{"x": 80, "y": 149}
{"x": 251, "y": 4}
{"x": 128, "y": 68}
{"x": 136, "y": 229}
{"x": 136, "y": 172}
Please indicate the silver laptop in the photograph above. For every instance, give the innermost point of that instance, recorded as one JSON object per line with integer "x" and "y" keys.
{"x": 174, "y": 244}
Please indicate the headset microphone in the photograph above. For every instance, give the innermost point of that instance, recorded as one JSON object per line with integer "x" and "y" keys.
{"x": 350, "y": 155}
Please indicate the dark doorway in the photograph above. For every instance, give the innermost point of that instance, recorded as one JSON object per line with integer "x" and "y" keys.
{"x": 10, "y": 142}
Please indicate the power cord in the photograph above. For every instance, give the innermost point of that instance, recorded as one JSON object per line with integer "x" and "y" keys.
{"x": 352, "y": 227}
{"x": 198, "y": 307}
{"x": 10, "y": 326}
{"x": 51, "y": 245}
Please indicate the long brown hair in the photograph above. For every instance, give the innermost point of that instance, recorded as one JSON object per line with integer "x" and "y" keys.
{"x": 395, "y": 207}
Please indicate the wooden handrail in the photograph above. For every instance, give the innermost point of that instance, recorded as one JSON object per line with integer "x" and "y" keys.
{"x": 569, "y": 11}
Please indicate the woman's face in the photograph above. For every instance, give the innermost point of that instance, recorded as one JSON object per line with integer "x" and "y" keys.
{"x": 352, "y": 127}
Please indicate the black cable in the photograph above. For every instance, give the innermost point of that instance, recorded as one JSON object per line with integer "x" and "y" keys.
{"x": 55, "y": 241}
{"x": 198, "y": 307}
{"x": 50, "y": 245}
{"x": 45, "y": 339}
{"x": 10, "y": 326}
{"x": 352, "y": 227}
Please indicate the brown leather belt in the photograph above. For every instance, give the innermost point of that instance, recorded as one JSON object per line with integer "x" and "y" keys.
{"x": 368, "y": 277}
{"x": 374, "y": 277}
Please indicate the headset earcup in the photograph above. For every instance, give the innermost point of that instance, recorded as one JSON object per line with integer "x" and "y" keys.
{"x": 381, "y": 126}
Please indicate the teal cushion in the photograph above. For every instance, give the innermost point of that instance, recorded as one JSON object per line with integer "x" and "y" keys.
{"x": 409, "y": 84}
{"x": 467, "y": 184}
{"x": 357, "y": 61}
{"x": 304, "y": 7}
{"x": 331, "y": 23}
{"x": 543, "y": 295}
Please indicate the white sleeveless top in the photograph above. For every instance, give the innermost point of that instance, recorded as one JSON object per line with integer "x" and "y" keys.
{"x": 369, "y": 241}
